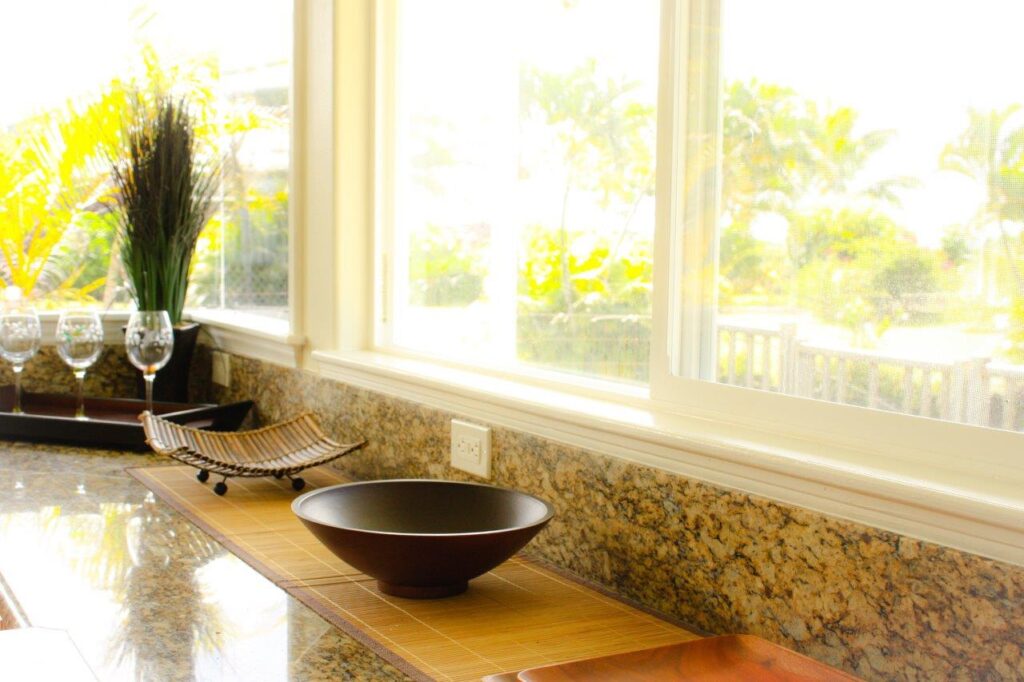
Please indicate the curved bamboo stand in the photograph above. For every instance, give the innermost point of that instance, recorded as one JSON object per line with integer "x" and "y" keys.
{"x": 280, "y": 450}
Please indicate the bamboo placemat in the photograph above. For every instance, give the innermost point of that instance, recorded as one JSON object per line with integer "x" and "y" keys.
{"x": 520, "y": 615}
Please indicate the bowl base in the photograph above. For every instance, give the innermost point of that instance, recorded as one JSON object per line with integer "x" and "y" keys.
{"x": 422, "y": 591}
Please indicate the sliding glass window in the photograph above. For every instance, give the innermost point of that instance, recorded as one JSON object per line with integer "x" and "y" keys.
{"x": 521, "y": 205}
{"x": 68, "y": 70}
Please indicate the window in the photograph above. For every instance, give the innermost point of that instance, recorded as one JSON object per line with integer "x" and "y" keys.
{"x": 232, "y": 59}
{"x": 844, "y": 227}
{"x": 859, "y": 211}
{"x": 450, "y": 171}
{"x": 522, "y": 212}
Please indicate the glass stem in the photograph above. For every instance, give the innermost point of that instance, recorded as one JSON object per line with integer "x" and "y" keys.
{"x": 17, "y": 388}
{"x": 80, "y": 391}
{"x": 149, "y": 377}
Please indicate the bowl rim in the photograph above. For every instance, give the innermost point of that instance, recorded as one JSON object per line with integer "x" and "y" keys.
{"x": 300, "y": 500}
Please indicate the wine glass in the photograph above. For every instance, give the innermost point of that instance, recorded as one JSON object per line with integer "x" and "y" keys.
{"x": 20, "y": 335}
{"x": 149, "y": 340}
{"x": 79, "y": 344}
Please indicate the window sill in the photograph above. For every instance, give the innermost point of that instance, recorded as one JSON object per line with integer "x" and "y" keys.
{"x": 113, "y": 326}
{"x": 902, "y": 496}
{"x": 254, "y": 336}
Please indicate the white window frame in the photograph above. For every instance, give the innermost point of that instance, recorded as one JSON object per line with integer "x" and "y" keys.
{"x": 685, "y": 243}
{"x": 950, "y": 483}
{"x": 114, "y": 322}
{"x": 281, "y": 341}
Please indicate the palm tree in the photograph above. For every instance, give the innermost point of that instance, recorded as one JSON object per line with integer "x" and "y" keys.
{"x": 603, "y": 132}
{"x": 990, "y": 150}
{"x": 50, "y": 178}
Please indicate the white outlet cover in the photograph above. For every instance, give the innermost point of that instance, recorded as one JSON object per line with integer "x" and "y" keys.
{"x": 221, "y": 370}
{"x": 471, "y": 448}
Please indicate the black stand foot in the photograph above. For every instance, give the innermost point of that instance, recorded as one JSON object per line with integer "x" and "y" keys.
{"x": 279, "y": 476}
{"x": 298, "y": 484}
{"x": 203, "y": 475}
{"x": 220, "y": 488}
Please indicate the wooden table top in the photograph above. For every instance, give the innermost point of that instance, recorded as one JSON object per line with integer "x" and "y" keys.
{"x": 730, "y": 658}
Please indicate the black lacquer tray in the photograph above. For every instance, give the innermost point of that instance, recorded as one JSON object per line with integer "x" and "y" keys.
{"x": 113, "y": 422}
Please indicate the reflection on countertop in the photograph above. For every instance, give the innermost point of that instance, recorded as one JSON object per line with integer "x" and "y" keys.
{"x": 143, "y": 593}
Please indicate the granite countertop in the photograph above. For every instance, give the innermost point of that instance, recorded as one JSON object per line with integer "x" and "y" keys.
{"x": 144, "y": 594}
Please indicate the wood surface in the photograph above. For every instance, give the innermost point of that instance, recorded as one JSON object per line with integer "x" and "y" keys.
{"x": 518, "y": 616}
{"x": 730, "y": 658}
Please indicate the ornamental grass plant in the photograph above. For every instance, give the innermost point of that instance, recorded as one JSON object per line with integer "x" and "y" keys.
{"x": 164, "y": 198}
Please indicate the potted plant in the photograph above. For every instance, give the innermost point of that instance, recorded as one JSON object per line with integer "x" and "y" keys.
{"x": 164, "y": 193}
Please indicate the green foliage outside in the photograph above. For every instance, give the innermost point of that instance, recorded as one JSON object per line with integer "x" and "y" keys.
{"x": 607, "y": 331}
{"x": 51, "y": 183}
{"x": 56, "y": 236}
{"x": 843, "y": 258}
{"x": 446, "y": 266}
{"x": 584, "y": 295}
{"x": 241, "y": 260}
{"x": 990, "y": 151}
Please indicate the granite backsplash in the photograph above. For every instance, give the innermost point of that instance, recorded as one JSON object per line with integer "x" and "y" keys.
{"x": 877, "y": 604}
{"x": 111, "y": 377}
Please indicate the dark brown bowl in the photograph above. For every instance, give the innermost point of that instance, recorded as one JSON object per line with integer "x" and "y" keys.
{"x": 422, "y": 539}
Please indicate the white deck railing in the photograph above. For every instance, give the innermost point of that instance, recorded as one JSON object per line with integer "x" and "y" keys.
{"x": 971, "y": 390}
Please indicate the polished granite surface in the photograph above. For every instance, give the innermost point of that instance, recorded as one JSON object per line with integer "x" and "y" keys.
{"x": 142, "y": 593}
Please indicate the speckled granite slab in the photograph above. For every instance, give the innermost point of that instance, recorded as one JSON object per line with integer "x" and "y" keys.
{"x": 143, "y": 593}
{"x": 111, "y": 377}
{"x": 871, "y": 602}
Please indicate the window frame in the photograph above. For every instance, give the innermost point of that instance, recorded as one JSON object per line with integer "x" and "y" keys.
{"x": 249, "y": 333}
{"x": 685, "y": 241}
{"x": 114, "y": 322}
{"x": 685, "y": 244}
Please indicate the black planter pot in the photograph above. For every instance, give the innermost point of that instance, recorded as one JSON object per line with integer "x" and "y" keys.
{"x": 171, "y": 384}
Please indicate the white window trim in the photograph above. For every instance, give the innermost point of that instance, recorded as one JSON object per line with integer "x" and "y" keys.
{"x": 113, "y": 322}
{"x": 312, "y": 257}
{"x": 812, "y": 474}
{"x": 245, "y": 334}
{"x": 682, "y": 344}
{"x": 253, "y": 336}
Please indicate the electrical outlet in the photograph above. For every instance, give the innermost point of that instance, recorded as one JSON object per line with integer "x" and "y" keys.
{"x": 471, "y": 448}
{"x": 221, "y": 369}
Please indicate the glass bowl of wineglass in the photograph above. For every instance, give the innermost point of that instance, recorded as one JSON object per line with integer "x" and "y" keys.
{"x": 20, "y": 335}
{"x": 79, "y": 344}
{"x": 149, "y": 340}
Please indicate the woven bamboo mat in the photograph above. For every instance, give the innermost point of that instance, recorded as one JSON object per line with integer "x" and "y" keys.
{"x": 520, "y": 615}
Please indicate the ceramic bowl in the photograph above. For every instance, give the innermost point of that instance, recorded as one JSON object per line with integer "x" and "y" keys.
{"x": 422, "y": 539}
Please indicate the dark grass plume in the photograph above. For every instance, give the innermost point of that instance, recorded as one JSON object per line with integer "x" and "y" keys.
{"x": 165, "y": 198}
